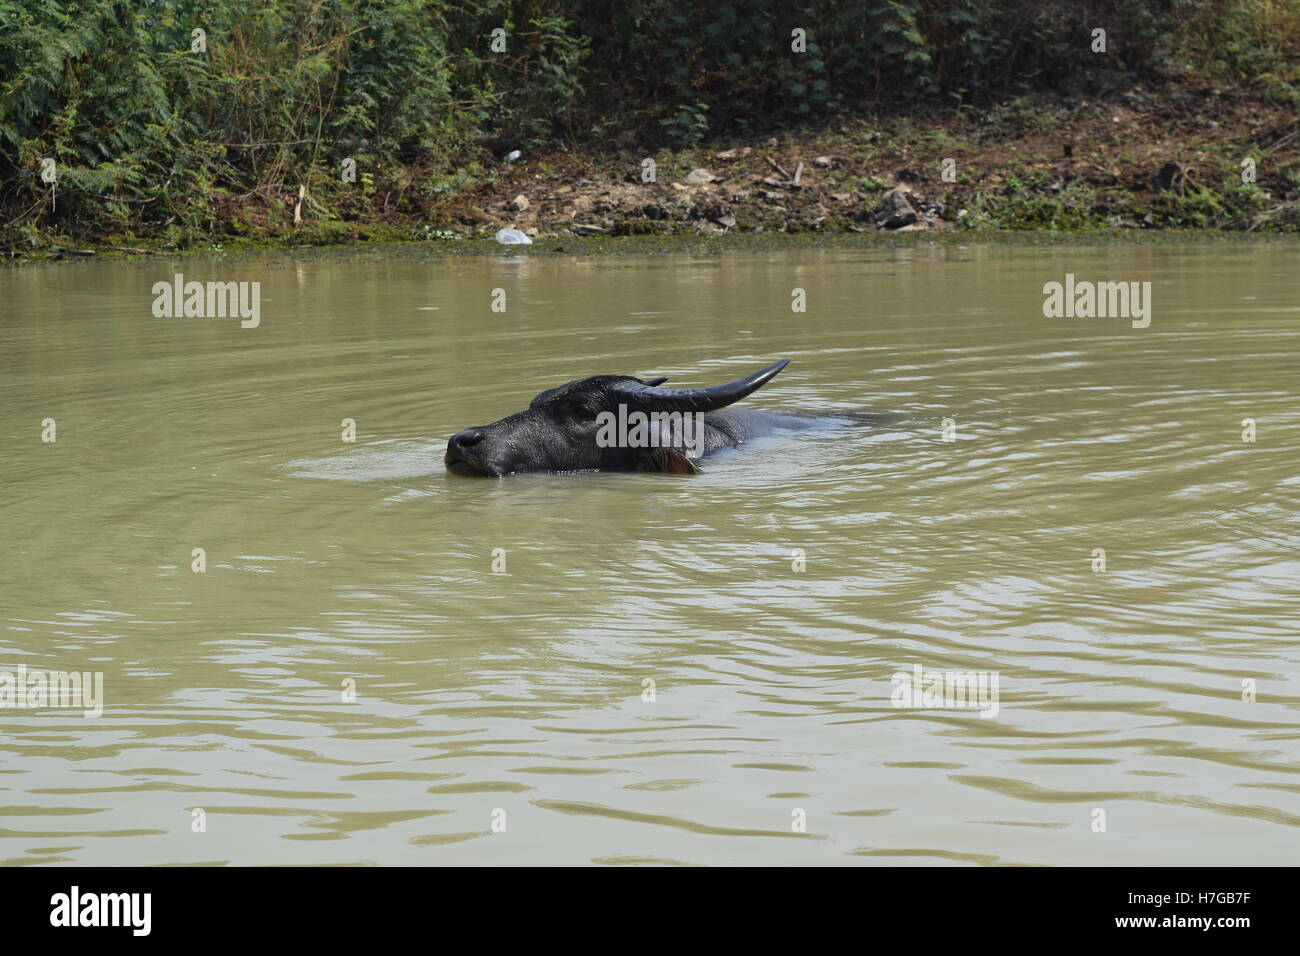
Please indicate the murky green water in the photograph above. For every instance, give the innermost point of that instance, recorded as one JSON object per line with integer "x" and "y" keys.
{"x": 486, "y": 698}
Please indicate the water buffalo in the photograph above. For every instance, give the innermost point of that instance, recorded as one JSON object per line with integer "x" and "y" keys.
{"x": 617, "y": 423}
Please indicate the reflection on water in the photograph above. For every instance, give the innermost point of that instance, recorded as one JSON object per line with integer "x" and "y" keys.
{"x": 663, "y": 669}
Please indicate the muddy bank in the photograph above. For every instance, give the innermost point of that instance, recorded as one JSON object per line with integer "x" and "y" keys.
{"x": 1212, "y": 160}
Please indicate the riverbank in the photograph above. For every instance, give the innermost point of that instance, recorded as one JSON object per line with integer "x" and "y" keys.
{"x": 203, "y": 125}
{"x": 1137, "y": 162}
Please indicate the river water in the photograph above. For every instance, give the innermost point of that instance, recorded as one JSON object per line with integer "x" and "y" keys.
{"x": 381, "y": 663}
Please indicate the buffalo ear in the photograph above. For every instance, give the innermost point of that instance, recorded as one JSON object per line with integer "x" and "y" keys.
{"x": 667, "y": 460}
{"x": 655, "y": 381}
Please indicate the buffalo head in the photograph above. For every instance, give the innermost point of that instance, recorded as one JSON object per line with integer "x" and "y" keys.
{"x": 605, "y": 423}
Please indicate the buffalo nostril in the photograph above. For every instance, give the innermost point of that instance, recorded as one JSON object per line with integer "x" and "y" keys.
{"x": 470, "y": 436}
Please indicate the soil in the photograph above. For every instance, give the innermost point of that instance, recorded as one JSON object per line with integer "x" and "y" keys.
{"x": 1027, "y": 165}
